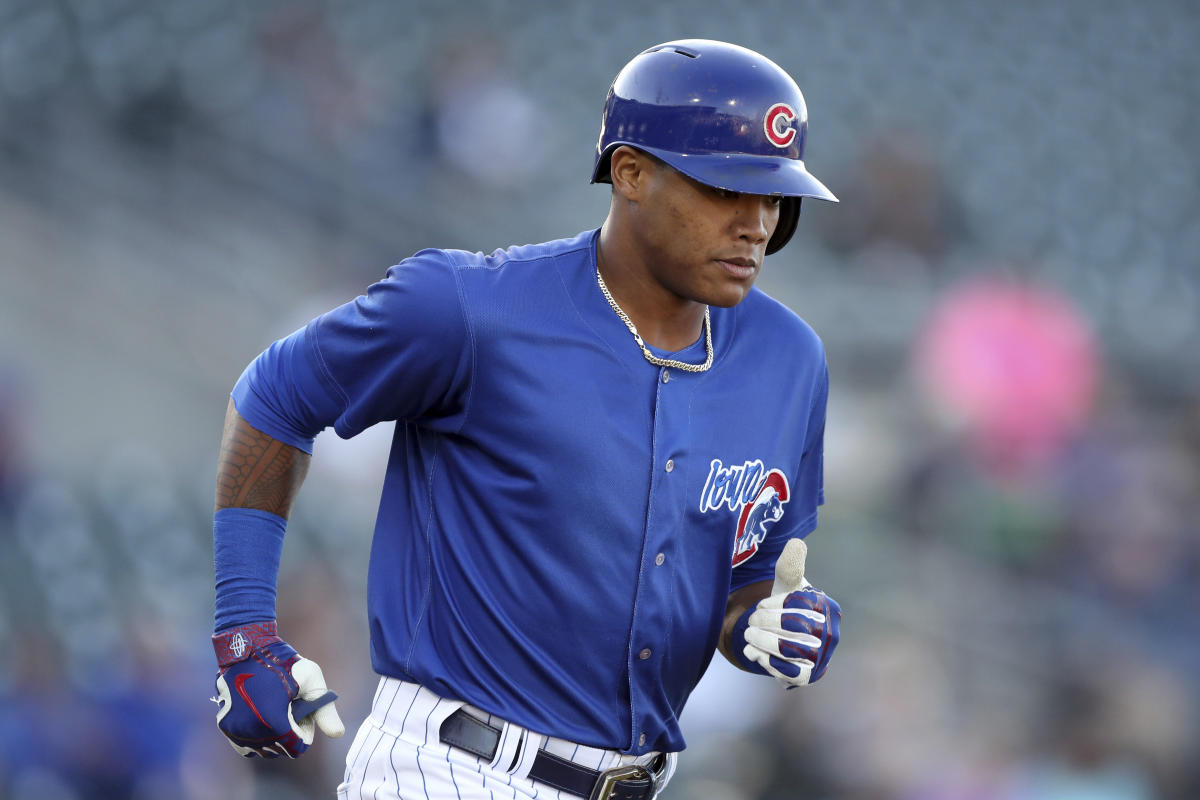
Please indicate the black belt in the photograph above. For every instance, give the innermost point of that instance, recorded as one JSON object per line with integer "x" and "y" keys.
{"x": 629, "y": 782}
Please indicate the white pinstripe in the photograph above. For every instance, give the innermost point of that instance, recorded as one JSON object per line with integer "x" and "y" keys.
{"x": 397, "y": 755}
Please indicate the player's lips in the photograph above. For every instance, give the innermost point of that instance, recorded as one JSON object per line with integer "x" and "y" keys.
{"x": 739, "y": 267}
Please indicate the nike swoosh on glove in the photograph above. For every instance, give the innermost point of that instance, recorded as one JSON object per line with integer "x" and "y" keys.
{"x": 278, "y": 697}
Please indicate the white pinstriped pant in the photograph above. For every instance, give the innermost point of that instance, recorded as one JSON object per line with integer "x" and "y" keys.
{"x": 397, "y": 755}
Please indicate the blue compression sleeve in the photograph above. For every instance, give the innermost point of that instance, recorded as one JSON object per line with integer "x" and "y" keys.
{"x": 247, "y": 547}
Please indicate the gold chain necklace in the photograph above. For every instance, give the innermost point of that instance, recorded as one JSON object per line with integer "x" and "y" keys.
{"x": 653, "y": 359}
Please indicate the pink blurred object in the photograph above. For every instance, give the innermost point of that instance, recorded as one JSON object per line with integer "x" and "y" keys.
{"x": 1014, "y": 363}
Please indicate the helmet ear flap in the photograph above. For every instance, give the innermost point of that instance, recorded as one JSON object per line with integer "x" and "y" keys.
{"x": 601, "y": 172}
{"x": 789, "y": 217}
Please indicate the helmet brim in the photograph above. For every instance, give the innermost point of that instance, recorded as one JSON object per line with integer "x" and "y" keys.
{"x": 749, "y": 174}
{"x": 735, "y": 172}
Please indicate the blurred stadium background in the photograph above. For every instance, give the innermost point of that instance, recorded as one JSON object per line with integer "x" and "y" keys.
{"x": 1008, "y": 292}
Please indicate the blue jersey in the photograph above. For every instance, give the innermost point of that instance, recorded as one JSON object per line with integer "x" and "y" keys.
{"x": 561, "y": 521}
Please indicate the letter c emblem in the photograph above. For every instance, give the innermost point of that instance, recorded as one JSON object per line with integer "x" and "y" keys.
{"x": 777, "y": 125}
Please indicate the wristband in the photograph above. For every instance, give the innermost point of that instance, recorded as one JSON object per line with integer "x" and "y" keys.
{"x": 247, "y": 548}
{"x": 239, "y": 643}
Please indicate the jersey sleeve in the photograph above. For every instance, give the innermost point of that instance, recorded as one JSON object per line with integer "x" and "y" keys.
{"x": 809, "y": 484}
{"x": 807, "y": 492}
{"x": 400, "y": 351}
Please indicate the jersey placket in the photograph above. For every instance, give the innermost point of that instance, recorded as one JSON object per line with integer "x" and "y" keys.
{"x": 653, "y": 601}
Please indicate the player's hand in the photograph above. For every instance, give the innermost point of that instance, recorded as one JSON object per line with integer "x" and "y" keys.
{"x": 271, "y": 700}
{"x": 791, "y": 634}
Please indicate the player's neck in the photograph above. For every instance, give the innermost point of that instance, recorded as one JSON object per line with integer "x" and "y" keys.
{"x": 663, "y": 319}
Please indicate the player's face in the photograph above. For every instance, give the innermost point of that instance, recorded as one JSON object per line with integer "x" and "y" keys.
{"x": 701, "y": 243}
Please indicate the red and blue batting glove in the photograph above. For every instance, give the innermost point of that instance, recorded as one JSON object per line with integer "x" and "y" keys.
{"x": 271, "y": 700}
{"x": 792, "y": 633}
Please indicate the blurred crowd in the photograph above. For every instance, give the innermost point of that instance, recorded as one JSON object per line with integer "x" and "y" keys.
{"x": 1008, "y": 292}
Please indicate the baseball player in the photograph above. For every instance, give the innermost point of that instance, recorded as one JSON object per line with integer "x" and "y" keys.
{"x": 607, "y": 451}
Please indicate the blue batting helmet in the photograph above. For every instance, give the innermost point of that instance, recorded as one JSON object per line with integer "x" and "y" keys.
{"x": 721, "y": 114}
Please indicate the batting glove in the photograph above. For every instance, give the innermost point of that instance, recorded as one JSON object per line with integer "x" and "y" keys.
{"x": 278, "y": 698}
{"x": 791, "y": 634}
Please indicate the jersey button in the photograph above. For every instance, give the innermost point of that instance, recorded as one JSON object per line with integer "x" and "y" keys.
{"x": 641, "y": 740}
{"x": 666, "y": 378}
{"x": 659, "y": 559}
{"x": 670, "y": 465}
{"x": 644, "y": 654}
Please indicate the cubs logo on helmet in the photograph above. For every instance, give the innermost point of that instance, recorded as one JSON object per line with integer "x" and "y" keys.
{"x": 778, "y": 125}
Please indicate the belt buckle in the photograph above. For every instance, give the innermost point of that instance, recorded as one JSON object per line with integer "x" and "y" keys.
{"x": 606, "y": 787}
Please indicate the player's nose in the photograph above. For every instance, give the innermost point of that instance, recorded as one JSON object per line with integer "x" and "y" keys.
{"x": 756, "y": 217}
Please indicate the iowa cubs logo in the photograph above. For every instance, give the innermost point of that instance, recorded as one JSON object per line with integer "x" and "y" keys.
{"x": 778, "y": 125}
{"x": 755, "y": 494}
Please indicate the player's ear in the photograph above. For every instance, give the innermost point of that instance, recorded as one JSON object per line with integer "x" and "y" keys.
{"x": 628, "y": 170}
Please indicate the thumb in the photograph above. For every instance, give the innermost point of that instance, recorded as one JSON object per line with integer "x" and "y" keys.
{"x": 328, "y": 721}
{"x": 789, "y": 569}
{"x": 311, "y": 683}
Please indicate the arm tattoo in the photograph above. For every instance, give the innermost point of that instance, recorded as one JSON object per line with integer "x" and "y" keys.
{"x": 256, "y": 470}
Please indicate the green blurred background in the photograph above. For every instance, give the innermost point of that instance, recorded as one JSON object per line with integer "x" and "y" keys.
{"x": 1008, "y": 292}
